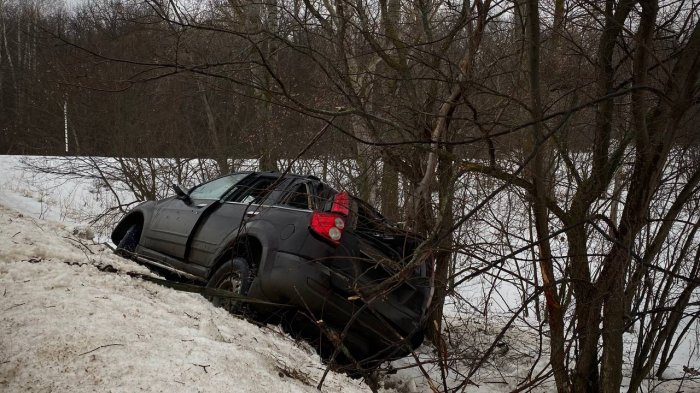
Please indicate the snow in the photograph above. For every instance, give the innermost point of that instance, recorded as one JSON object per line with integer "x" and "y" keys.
{"x": 68, "y": 326}
{"x": 69, "y": 199}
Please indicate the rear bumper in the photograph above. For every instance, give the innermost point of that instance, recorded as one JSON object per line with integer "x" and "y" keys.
{"x": 383, "y": 329}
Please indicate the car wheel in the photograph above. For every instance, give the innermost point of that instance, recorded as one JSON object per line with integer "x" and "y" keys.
{"x": 127, "y": 245}
{"x": 232, "y": 276}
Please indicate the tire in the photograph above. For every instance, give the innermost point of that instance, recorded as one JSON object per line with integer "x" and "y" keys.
{"x": 127, "y": 245}
{"x": 233, "y": 276}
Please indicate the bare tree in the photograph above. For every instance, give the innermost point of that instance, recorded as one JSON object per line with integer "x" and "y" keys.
{"x": 574, "y": 121}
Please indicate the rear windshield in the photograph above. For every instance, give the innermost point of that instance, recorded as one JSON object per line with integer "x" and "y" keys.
{"x": 369, "y": 219}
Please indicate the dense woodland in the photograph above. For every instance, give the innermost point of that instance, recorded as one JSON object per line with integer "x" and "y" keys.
{"x": 567, "y": 130}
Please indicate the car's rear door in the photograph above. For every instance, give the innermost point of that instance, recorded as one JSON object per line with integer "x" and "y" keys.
{"x": 175, "y": 219}
{"x": 245, "y": 202}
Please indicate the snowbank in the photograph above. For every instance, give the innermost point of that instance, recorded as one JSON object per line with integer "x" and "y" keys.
{"x": 65, "y": 325}
{"x": 68, "y": 326}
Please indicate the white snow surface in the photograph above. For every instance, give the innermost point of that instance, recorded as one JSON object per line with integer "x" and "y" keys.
{"x": 66, "y": 326}
{"x": 46, "y": 196}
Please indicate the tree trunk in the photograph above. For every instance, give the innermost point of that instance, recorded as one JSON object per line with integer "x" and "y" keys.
{"x": 390, "y": 192}
{"x": 444, "y": 248}
{"x": 541, "y": 214}
{"x": 219, "y": 155}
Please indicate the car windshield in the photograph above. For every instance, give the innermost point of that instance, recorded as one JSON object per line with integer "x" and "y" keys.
{"x": 216, "y": 188}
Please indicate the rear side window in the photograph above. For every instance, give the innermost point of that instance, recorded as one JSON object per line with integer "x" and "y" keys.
{"x": 216, "y": 189}
{"x": 253, "y": 193}
{"x": 297, "y": 197}
{"x": 323, "y": 198}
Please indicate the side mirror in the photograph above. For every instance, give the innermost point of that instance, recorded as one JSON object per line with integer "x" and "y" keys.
{"x": 181, "y": 194}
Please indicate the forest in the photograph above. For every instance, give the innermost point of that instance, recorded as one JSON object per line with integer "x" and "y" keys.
{"x": 547, "y": 150}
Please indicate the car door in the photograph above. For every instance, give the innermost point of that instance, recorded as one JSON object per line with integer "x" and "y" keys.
{"x": 176, "y": 218}
{"x": 245, "y": 202}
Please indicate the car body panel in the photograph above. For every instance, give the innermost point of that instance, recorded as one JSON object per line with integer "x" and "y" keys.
{"x": 223, "y": 222}
{"x": 173, "y": 223}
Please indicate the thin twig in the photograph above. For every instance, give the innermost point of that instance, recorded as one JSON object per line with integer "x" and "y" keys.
{"x": 79, "y": 242}
{"x": 203, "y": 366}
{"x": 16, "y": 305}
{"x": 100, "y": 347}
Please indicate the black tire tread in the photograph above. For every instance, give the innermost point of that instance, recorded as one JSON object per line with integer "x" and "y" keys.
{"x": 238, "y": 266}
{"x": 130, "y": 239}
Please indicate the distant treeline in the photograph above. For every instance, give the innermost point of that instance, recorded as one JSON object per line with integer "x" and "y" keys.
{"x": 107, "y": 72}
{"x": 132, "y": 78}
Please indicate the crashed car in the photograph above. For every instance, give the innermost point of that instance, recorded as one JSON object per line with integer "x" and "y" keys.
{"x": 292, "y": 240}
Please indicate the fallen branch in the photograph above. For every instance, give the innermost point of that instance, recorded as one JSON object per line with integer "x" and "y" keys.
{"x": 100, "y": 347}
{"x": 203, "y": 366}
{"x": 16, "y": 305}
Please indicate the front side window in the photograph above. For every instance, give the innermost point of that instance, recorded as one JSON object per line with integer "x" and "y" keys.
{"x": 216, "y": 189}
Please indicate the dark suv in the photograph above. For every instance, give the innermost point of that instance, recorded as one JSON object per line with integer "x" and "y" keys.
{"x": 292, "y": 240}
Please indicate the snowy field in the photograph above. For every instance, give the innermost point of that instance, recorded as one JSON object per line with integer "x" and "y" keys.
{"x": 73, "y": 320}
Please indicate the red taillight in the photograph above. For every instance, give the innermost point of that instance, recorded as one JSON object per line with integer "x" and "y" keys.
{"x": 330, "y": 225}
{"x": 341, "y": 204}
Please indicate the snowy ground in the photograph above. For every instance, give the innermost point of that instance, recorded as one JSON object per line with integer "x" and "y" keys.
{"x": 69, "y": 199}
{"x": 66, "y": 325}
{"x": 69, "y": 322}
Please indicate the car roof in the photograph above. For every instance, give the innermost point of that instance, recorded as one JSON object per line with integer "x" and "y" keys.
{"x": 278, "y": 174}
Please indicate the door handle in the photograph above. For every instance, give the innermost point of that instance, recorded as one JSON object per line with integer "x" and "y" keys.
{"x": 251, "y": 213}
{"x": 201, "y": 205}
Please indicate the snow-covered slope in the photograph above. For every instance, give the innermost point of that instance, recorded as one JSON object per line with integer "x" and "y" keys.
{"x": 67, "y": 326}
